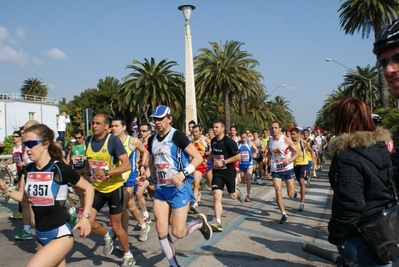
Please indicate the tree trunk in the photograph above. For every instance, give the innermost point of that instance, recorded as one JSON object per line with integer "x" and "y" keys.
{"x": 242, "y": 104}
{"x": 226, "y": 108}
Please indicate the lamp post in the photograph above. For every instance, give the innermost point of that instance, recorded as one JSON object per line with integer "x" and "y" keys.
{"x": 361, "y": 76}
{"x": 191, "y": 104}
{"x": 282, "y": 85}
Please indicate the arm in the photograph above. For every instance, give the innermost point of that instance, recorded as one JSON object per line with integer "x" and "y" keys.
{"x": 84, "y": 224}
{"x": 68, "y": 157}
{"x": 256, "y": 150}
{"x": 136, "y": 143}
{"x": 294, "y": 149}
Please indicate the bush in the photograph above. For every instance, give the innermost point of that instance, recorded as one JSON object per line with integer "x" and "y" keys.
{"x": 8, "y": 145}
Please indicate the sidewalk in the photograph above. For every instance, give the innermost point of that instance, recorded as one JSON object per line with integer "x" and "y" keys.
{"x": 252, "y": 234}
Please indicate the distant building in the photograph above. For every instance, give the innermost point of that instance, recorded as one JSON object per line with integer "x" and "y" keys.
{"x": 16, "y": 109}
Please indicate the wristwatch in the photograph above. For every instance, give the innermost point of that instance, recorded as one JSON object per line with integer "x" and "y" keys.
{"x": 86, "y": 215}
{"x": 223, "y": 162}
{"x": 106, "y": 172}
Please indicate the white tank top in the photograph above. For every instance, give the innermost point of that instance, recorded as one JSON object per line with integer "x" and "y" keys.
{"x": 280, "y": 151}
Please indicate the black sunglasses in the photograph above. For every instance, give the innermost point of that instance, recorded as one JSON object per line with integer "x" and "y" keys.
{"x": 32, "y": 143}
{"x": 78, "y": 137}
{"x": 158, "y": 119}
{"x": 383, "y": 62}
{"x": 144, "y": 131}
{"x": 16, "y": 136}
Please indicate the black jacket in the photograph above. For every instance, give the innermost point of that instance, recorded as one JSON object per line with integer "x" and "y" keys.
{"x": 359, "y": 175}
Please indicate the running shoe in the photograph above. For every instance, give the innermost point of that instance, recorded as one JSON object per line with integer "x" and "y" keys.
{"x": 144, "y": 233}
{"x": 308, "y": 181}
{"x": 284, "y": 219}
{"x": 296, "y": 194}
{"x": 301, "y": 207}
{"x": 109, "y": 245}
{"x": 259, "y": 181}
{"x": 23, "y": 236}
{"x": 128, "y": 261}
{"x": 240, "y": 195}
{"x": 216, "y": 227}
{"x": 194, "y": 208}
{"x": 17, "y": 216}
{"x": 314, "y": 175}
{"x": 199, "y": 197}
{"x": 247, "y": 199}
{"x": 145, "y": 193}
{"x": 205, "y": 230}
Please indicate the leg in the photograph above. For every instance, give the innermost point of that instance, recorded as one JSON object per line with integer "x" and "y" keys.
{"x": 290, "y": 184}
{"x": 118, "y": 230}
{"x": 53, "y": 254}
{"x": 141, "y": 200}
{"x": 217, "y": 204}
{"x": 277, "y": 183}
{"x": 131, "y": 206}
{"x": 196, "y": 184}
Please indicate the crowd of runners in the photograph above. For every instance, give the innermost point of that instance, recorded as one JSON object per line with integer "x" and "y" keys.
{"x": 123, "y": 166}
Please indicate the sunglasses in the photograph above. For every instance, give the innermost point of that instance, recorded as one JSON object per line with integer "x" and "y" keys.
{"x": 31, "y": 143}
{"x": 78, "y": 137}
{"x": 16, "y": 136}
{"x": 383, "y": 62}
{"x": 158, "y": 119}
{"x": 143, "y": 131}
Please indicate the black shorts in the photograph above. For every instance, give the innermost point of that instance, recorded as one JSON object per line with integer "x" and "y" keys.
{"x": 219, "y": 181}
{"x": 113, "y": 199}
{"x": 260, "y": 159}
{"x": 300, "y": 171}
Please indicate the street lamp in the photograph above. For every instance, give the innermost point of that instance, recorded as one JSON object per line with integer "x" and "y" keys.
{"x": 361, "y": 76}
{"x": 282, "y": 85}
{"x": 191, "y": 104}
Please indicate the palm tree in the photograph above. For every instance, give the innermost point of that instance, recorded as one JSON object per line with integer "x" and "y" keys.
{"x": 324, "y": 117}
{"x": 151, "y": 84}
{"x": 220, "y": 71}
{"x": 361, "y": 83}
{"x": 280, "y": 108}
{"x": 364, "y": 15}
{"x": 34, "y": 87}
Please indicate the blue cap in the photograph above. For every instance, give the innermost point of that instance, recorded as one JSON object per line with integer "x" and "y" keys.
{"x": 161, "y": 111}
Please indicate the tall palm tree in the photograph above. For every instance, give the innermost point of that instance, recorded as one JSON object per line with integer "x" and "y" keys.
{"x": 34, "y": 87}
{"x": 362, "y": 83}
{"x": 152, "y": 83}
{"x": 220, "y": 71}
{"x": 280, "y": 108}
{"x": 361, "y": 15}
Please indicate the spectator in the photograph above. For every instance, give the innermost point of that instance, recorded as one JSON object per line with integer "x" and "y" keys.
{"x": 63, "y": 119}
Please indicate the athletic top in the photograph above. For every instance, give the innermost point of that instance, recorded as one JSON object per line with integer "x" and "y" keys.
{"x": 302, "y": 159}
{"x": 258, "y": 143}
{"x": 245, "y": 154}
{"x": 169, "y": 156}
{"x": 201, "y": 146}
{"x": 47, "y": 191}
{"x": 78, "y": 150}
{"x": 318, "y": 141}
{"x": 223, "y": 149}
{"x": 104, "y": 154}
{"x": 280, "y": 151}
{"x": 264, "y": 141}
{"x": 17, "y": 156}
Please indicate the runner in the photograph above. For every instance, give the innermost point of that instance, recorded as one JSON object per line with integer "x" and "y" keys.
{"x": 224, "y": 153}
{"x": 301, "y": 163}
{"x": 258, "y": 157}
{"x": 280, "y": 149}
{"x": 311, "y": 155}
{"x": 209, "y": 164}
{"x": 107, "y": 160}
{"x": 46, "y": 189}
{"x": 190, "y": 135}
{"x": 266, "y": 161}
{"x": 77, "y": 154}
{"x": 132, "y": 145}
{"x": 246, "y": 163}
{"x": 319, "y": 144}
{"x": 169, "y": 163}
{"x": 233, "y": 135}
{"x": 199, "y": 141}
{"x": 150, "y": 184}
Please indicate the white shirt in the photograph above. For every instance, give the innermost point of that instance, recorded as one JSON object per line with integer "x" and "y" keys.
{"x": 62, "y": 121}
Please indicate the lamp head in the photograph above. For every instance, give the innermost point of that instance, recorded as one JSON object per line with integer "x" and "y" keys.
{"x": 186, "y": 9}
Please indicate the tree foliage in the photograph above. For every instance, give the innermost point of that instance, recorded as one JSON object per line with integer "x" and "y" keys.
{"x": 34, "y": 87}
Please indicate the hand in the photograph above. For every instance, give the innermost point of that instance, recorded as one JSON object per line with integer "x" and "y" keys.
{"x": 21, "y": 164}
{"x": 218, "y": 164}
{"x": 177, "y": 179}
{"x": 98, "y": 172}
{"x": 141, "y": 179}
{"x": 84, "y": 226}
{"x": 286, "y": 161}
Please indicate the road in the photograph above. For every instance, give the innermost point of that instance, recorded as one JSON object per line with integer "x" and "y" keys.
{"x": 252, "y": 234}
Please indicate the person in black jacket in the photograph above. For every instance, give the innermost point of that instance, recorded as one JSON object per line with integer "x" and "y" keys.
{"x": 359, "y": 172}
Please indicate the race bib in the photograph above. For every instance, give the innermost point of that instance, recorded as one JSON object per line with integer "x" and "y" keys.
{"x": 218, "y": 158}
{"x": 279, "y": 165}
{"x": 162, "y": 173}
{"x": 78, "y": 161}
{"x": 244, "y": 156}
{"x": 93, "y": 164}
{"x": 38, "y": 188}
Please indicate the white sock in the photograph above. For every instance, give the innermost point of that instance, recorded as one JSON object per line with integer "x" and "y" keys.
{"x": 27, "y": 228}
{"x": 143, "y": 226}
{"x": 145, "y": 214}
{"x": 219, "y": 220}
{"x": 128, "y": 254}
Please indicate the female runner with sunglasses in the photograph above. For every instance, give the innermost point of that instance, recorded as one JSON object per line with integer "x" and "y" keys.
{"x": 46, "y": 189}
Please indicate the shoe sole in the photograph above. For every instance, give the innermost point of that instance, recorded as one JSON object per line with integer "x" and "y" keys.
{"x": 241, "y": 199}
{"x": 216, "y": 229}
{"x": 23, "y": 239}
{"x": 205, "y": 220}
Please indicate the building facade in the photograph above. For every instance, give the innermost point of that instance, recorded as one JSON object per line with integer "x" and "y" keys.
{"x": 16, "y": 109}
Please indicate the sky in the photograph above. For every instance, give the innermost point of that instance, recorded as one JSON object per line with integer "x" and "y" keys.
{"x": 71, "y": 45}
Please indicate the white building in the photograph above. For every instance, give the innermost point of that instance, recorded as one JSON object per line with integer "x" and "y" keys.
{"x": 16, "y": 109}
